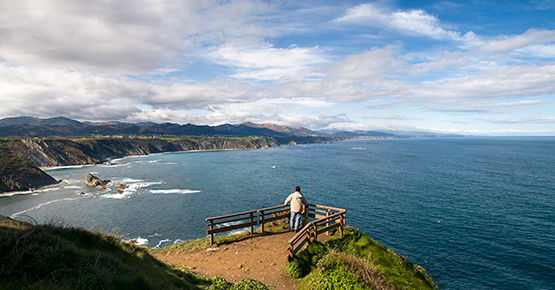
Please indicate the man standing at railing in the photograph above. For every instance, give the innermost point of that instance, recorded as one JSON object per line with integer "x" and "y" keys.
{"x": 298, "y": 206}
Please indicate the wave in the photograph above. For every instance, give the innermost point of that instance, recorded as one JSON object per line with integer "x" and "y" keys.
{"x": 161, "y": 242}
{"x": 130, "y": 190}
{"x": 47, "y": 168}
{"x": 178, "y": 191}
{"x": 73, "y": 187}
{"x": 42, "y": 204}
{"x": 113, "y": 165}
{"x": 139, "y": 241}
{"x": 147, "y": 161}
{"x": 130, "y": 180}
{"x": 358, "y": 148}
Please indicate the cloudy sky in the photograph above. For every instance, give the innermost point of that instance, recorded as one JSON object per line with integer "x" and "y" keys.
{"x": 475, "y": 67}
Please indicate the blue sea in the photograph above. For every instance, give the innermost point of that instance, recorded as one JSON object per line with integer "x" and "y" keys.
{"x": 478, "y": 213}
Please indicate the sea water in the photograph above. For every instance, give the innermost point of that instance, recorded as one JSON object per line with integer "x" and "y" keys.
{"x": 478, "y": 213}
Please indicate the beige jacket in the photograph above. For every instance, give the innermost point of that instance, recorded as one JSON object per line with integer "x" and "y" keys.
{"x": 297, "y": 202}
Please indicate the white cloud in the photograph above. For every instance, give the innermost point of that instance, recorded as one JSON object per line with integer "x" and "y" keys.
{"x": 121, "y": 36}
{"x": 530, "y": 38}
{"x": 416, "y": 22}
{"x": 270, "y": 63}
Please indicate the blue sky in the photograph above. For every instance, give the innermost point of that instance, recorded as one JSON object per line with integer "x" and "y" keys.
{"x": 470, "y": 67}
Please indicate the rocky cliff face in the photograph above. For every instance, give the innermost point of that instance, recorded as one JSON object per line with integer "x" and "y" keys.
{"x": 59, "y": 152}
{"x": 29, "y": 153}
{"x": 19, "y": 175}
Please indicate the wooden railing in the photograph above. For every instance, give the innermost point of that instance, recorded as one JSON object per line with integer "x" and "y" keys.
{"x": 325, "y": 218}
{"x": 247, "y": 219}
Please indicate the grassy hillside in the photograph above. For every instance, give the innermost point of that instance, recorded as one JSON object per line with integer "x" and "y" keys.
{"x": 55, "y": 257}
{"x": 356, "y": 261}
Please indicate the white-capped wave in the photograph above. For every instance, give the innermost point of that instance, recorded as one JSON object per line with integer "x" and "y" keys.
{"x": 130, "y": 190}
{"x": 177, "y": 241}
{"x": 41, "y": 205}
{"x": 161, "y": 242}
{"x": 358, "y": 148}
{"x": 73, "y": 187}
{"x": 113, "y": 165}
{"x": 139, "y": 241}
{"x": 178, "y": 191}
{"x": 147, "y": 161}
{"x": 130, "y": 180}
{"x": 64, "y": 167}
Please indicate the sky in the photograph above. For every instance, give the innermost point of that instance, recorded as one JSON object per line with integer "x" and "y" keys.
{"x": 480, "y": 67}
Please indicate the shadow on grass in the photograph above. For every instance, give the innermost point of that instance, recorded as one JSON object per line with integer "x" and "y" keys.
{"x": 58, "y": 257}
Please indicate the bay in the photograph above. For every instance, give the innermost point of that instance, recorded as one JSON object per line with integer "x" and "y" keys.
{"x": 478, "y": 213}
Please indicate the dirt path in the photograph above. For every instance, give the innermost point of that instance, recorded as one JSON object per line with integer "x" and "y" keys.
{"x": 262, "y": 258}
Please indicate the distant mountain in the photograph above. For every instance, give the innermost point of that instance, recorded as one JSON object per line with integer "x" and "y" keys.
{"x": 61, "y": 126}
{"x": 284, "y": 129}
{"x": 387, "y": 133}
{"x": 32, "y": 121}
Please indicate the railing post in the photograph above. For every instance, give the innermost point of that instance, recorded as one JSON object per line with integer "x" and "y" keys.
{"x": 252, "y": 220}
{"x": 315, "y": 231}
{"x": 211, "y": 226}
{"x": 328, "y": 213}
{"x": 341, "y": 222}
{"x": 305, "y": 216}
{"x": 261, "y": 221}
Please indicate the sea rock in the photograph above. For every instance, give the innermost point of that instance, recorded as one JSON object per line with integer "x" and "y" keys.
{"x": 94, "y": 181}
{"x": 120, "y": 187}
{"x": 292, "y": 143}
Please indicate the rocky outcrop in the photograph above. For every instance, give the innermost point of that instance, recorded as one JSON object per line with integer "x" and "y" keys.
{"x": 19, "y": 175}
{"x": 94, "y": 181}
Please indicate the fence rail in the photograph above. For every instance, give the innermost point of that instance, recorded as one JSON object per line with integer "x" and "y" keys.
{"x": 326, "y": 218}
{"x": 333, "y": 218}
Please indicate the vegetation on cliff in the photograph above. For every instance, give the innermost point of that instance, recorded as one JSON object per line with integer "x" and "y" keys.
{"x": 356, "y": 261}
{"x": 56, "y": 257}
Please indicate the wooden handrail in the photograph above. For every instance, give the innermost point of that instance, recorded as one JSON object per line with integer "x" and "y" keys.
{"x": 259, "y": 217}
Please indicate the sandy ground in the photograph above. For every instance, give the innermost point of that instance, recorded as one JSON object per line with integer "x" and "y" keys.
{"x": 263, "y": 258}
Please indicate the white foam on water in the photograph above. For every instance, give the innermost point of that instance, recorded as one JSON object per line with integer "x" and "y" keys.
{"x": 161, "y": 242}
{"x": 64, "y": 167}
{"x": 42, "y": 204}
{"x": 147, "y": 161}
{"x": 130, "y": 190}
{"x": 273, "y": 166}
{"x": 139, "y": 241}
{"x": 113, "y": 165}
{"x": 73, "y": 187}
{"x": 177, "y": 191}
{"x": 358, "y": 148}
{"x": 177, "y": 241}
{"x": 35, "y": 194}
{"x": 130, "y": 180}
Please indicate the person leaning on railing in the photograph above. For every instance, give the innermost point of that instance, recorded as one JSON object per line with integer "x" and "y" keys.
{"x": 298, "y": 206}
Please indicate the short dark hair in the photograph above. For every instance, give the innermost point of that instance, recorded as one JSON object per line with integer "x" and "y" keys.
{"x": 298, "y": 188}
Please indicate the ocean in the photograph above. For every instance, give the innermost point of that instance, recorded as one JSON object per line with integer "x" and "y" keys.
{"x": 478, "y": 213}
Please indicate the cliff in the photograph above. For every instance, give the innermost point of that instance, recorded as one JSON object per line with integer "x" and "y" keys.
{"x": 18, "y": 174}
{"x": 22, "y": 156}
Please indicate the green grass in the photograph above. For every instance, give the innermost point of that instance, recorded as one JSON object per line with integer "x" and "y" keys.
{"x": 57, "y": 257}
{"x": 356, "y": 261}
{"x": 204, "y": 243}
